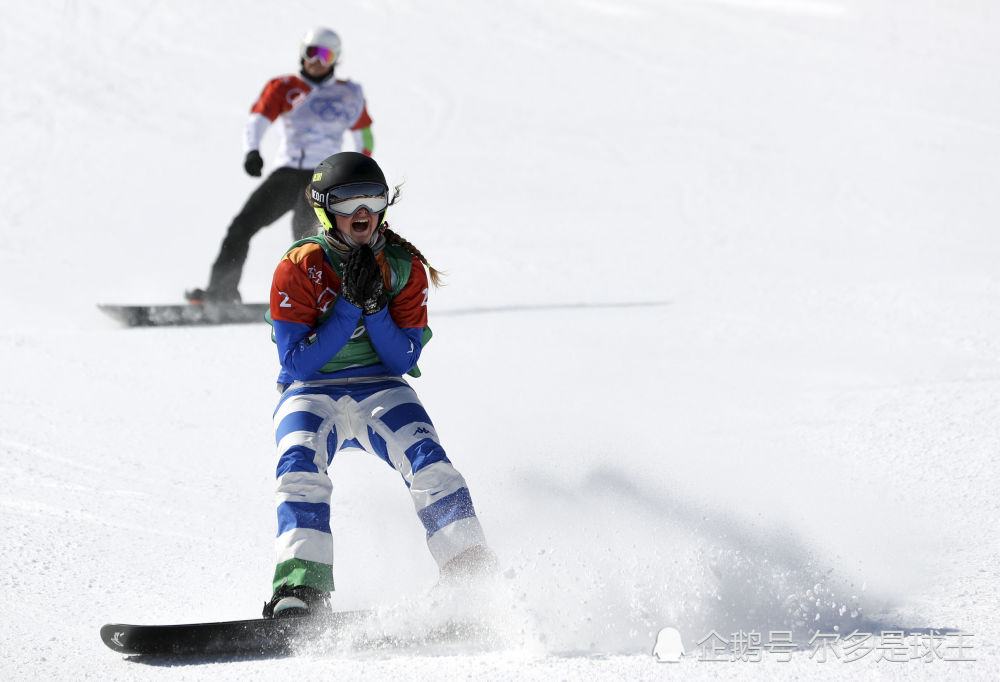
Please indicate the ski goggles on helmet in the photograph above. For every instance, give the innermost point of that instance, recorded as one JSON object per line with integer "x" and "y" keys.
{"x": 318, "y": 53}
{"x": 347, "y": 199}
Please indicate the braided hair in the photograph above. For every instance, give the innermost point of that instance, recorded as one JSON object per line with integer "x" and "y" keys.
{"x": 394, "y": 238}
{"x": 391, "y": 237}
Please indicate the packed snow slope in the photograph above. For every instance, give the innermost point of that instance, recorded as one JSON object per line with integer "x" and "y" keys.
{"x": 718, "y": 349}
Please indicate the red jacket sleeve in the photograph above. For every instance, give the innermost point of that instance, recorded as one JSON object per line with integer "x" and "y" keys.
{"x": 279, "y": 96}
{"x": 409, "y": 309}
{"x": 364, "y": 120}
{"x": 304, "y": 285}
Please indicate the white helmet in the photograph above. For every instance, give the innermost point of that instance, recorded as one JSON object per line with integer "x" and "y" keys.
{"x": 320, "y": 37}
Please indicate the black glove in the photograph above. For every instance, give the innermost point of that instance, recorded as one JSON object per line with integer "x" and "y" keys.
{"x": 253, "y": 163}
{"x": 362, "y": 285}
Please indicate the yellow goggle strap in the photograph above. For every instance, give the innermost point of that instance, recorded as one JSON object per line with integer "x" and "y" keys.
{"x": 324, "y": 219}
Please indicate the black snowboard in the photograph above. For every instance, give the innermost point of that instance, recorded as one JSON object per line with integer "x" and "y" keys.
{"x": 259, "y": 636}
{"x": 184, "y": 314}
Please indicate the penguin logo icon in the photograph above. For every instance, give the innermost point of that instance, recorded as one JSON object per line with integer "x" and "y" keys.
{"x": 668, "y": 647}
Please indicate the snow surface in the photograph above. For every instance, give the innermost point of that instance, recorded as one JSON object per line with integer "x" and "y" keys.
{"x": 718, "y": 350}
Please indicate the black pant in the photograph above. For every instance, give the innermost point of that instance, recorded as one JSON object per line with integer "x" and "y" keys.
{"x": 284, "y": 190}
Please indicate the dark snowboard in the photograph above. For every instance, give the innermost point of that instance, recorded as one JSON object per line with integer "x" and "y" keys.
{"x": 186, "y": 314}
{"x": 259, "y": 636}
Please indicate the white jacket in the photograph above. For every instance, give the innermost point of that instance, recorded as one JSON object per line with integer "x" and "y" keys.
{"x": 314, "y": 118}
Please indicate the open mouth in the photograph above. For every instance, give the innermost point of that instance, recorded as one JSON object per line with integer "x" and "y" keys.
{"x": 360, "y": 222}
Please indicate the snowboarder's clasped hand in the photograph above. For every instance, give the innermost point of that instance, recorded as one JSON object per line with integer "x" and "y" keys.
{"x": 362, "y": 286}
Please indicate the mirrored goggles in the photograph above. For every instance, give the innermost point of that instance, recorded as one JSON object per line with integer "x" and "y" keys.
{"x": 347, "y": 199}
{"x": 317, "y": 53}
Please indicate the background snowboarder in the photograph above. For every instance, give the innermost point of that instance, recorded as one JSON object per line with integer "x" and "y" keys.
{"x": 315, "y": 110}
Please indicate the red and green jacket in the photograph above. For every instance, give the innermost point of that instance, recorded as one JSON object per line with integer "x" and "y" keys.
{"x": 321, "y": 336}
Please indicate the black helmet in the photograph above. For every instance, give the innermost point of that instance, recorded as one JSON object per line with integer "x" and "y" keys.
{"x": 348, "y": 174}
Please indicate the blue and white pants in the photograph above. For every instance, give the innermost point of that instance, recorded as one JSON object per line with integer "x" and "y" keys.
{"x": 313, "y": 421}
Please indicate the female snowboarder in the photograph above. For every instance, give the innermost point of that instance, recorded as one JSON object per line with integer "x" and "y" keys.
{"x": 349, "y": 315}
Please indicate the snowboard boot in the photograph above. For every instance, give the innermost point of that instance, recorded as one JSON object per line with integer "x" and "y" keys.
{"x": 297, "y": 601}
{"x": 474, "y": 564}
{"x": 195, "y": 296}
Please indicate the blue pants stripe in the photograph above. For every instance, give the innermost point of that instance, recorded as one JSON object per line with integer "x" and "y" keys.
{"x": 448, "y": 509}
{"x": 349, "y": 443}
{"x": 297, "y": 458}
{"x": 331, "y": 444}
{"x": 297, "y": 421}
{"x": 380, "y": 447}
{"x": 312, "y": 515}
{"x": 424, "y": 452}
{"x": 404, "y": 415}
